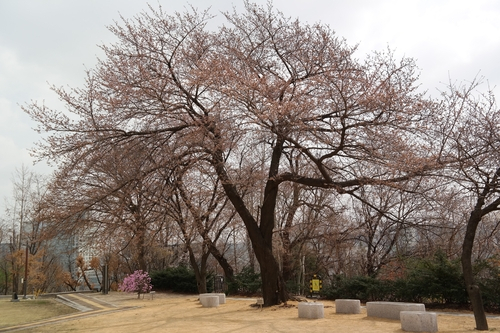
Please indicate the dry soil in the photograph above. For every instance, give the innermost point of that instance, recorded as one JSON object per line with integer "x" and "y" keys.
{"x": 175, "y": 313}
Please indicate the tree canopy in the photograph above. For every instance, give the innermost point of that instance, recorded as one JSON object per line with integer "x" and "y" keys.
{"x": 261, "y": 101}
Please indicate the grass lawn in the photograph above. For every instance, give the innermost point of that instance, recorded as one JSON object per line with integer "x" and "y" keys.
{"x": 28, "y": 310}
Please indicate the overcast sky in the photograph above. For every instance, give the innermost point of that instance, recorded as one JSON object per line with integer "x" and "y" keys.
{"x": 46, "y": 42}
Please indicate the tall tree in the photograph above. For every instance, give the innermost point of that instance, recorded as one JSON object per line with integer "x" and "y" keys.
{"x": 23, "y": 213}
{"x": 208, "y": 207}
{"x": 197, "y": 249}
{"x": 470, "y": 129}
{"x": 383, "y": 217}
{"x": 111, "y": 192}
{"x": 262, "y": 78}
{"x": 302, "y": 213}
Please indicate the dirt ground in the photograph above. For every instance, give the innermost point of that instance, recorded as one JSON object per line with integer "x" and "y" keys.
{"x": 175, "y": 313}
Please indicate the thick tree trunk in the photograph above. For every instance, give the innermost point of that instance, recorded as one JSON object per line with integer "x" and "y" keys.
{"x": 273, "y": 287}
{"x": 201, "y": 282}
{"x": 472, "y": 289}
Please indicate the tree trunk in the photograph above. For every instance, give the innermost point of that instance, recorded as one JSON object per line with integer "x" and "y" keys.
{"x": 202, "y": 283}
{"x": 15, "y": 283}
{"x": 288, "y": 256}
{"x": 273, "y": 287}
{"x": 226, "y": 267}
{"x": 141, "y": 250}
{"x": 472, "y": 289}
{"x": 200, "y": 272}
{"x": 6, "y": 277}
{"x": 140, "y": 235}
{"x": 251, "y": 253}
{"x": 288, "y": 264}
{"x": 86, "y": 280}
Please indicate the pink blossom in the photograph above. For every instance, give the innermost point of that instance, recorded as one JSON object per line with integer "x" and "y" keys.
{"x": 138, "y": 282}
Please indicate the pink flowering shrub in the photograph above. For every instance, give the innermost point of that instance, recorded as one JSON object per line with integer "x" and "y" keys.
{"x": 137, "y": 282}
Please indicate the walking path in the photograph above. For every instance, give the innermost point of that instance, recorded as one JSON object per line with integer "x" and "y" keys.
{"x": 84, "y": 302}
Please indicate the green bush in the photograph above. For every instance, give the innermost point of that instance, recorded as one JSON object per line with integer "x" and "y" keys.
{"x": 488, "y": 277}
{"x": 293, "y": 287}
{"x": 177, "y": 279}
{"x": 436, "y": 280}
{"x": 247, "y": 282}
{"x": 364, "y": 288}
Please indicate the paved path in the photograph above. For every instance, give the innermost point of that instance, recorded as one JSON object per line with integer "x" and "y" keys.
{"x": 86, "y": 304}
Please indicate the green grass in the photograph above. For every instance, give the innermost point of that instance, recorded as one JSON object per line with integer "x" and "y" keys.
{"x": 28, "y": 311}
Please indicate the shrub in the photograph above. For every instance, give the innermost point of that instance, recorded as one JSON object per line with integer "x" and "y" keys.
{"x": 138, "y": 282}
{"x": 176, "y": 279}
{"x": 436, "y": 280}
{"x": 247, "y": 282}
{"x": 364, "y": 288}
{"x": 488, "y": 277}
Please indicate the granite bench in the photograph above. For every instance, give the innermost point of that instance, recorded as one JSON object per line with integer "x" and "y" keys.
{"x": 391, "y": 310}
{"x": 311, "y": 310}
{"x": 209, "y": 300}
{"x": 349, "y": 306}
{"x": 418, "y": 321}
{"x": 222, "y": 297}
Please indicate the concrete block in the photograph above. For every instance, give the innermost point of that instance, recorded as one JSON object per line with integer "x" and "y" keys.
{"x": 418, "y": 321}
{"x": 209, "y": 300}
{"x": 311, "y": 310}
{"x": 222, "y": 297}
{"x": 350, "y": 306}
{"x": 391, "y": 310}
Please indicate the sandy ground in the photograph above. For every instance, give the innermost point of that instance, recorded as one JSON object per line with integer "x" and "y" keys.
{"x": 174, "y": 313}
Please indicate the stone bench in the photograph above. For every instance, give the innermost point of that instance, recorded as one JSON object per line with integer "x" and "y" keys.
{"x": 222, "y": 297}
{"x": 209, "y": 300}
{"x": 311, "y": 310}
{"x": 418, "y": 321}
{"x": 349, "y": 306}
{"x": 391, "y": 310}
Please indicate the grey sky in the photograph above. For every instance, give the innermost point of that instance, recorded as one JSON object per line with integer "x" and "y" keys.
{"x": 53, "y": 41}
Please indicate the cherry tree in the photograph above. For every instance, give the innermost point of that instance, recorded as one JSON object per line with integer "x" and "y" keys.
{"x": 111, "y": 192}
{"x": 470, "y": 129}
{"x": 261, "y": 82}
